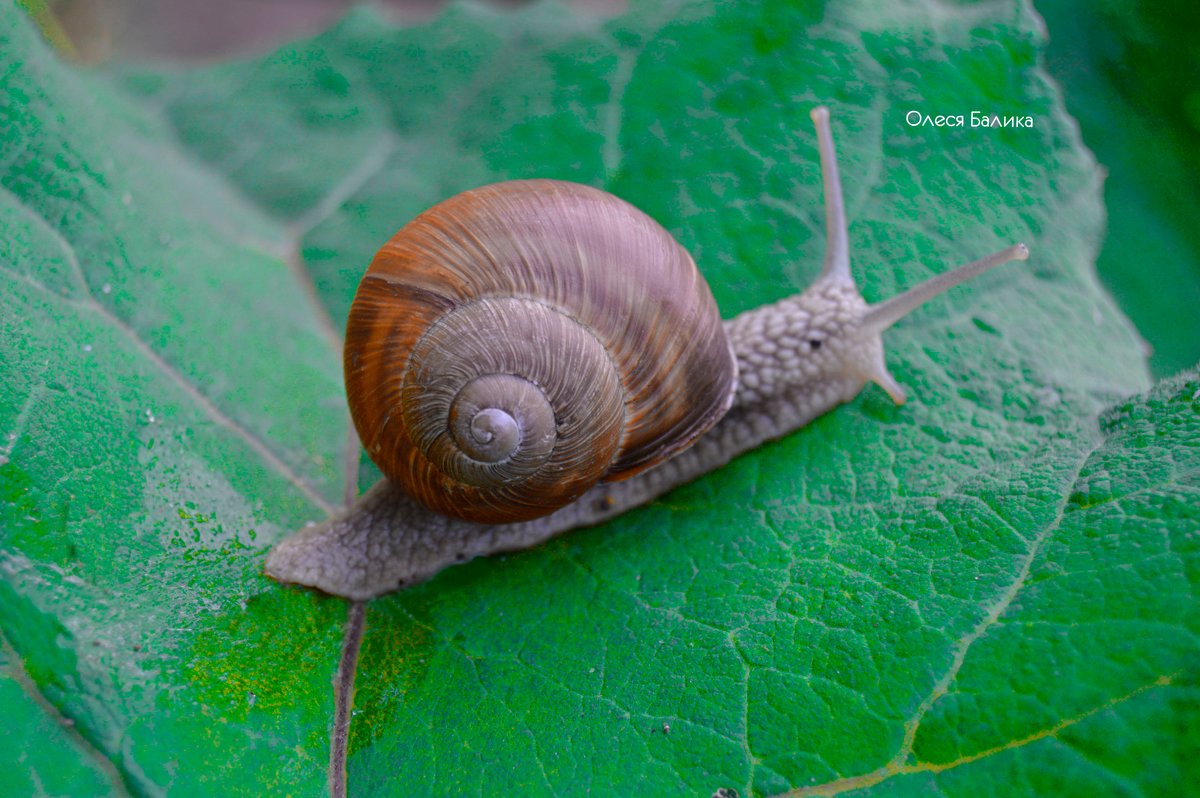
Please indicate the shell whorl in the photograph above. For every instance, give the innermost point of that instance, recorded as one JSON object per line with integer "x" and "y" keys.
{"x": 515, "y": 344}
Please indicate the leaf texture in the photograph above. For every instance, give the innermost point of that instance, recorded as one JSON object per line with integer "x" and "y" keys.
{"x": 987, "y": 586}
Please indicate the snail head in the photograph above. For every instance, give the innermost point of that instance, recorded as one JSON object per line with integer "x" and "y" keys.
{"x": 843, "y": 332}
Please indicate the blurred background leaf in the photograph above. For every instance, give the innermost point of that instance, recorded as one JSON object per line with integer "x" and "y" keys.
{"x": 1130, "y": 74}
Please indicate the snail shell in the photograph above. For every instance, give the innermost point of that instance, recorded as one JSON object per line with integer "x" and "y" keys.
{"x": 515, "y": 344}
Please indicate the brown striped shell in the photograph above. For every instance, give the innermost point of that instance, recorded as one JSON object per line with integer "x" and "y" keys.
{"x": 515, "y": 344}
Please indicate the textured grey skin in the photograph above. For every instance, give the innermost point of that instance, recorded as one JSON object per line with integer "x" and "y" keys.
{"x": 796, "y": 359}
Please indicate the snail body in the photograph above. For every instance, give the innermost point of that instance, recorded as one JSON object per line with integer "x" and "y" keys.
{"x": 720, "y": 388}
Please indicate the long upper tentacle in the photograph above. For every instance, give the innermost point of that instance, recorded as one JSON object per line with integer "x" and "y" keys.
{"x": 837, "y": 240}
{"x": 886, "y": 313}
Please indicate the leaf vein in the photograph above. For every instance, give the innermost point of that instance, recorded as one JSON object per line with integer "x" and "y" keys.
{"x": 16, "y": 670}
{"x": 209, "y": 408}
{"x": 994, "y": 613}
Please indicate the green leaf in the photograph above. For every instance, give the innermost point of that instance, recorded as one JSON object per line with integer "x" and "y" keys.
{"x": 1082, "y": 677}
{"x": 919, "y": 586}
{"x": 1130, "y": 73}
{"x": 45, "y": 758}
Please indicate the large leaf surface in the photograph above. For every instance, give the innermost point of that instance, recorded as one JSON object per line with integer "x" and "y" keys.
{"x": 180, "y": 247}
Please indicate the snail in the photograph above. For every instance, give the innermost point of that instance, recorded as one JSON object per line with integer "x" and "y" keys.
{"x": 535, "y": 356}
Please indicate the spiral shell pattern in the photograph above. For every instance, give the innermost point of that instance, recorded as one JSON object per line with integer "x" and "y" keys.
{"x": 515, "y": 344}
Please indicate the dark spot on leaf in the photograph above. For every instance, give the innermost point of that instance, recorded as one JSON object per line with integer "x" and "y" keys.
{"x": 983, "y": 325}
{"x": 1079, "y": 499}
{"x": 935, "y": 432}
